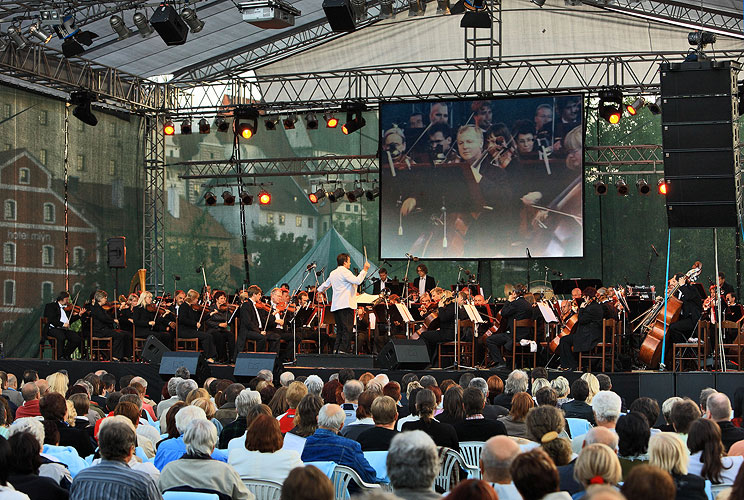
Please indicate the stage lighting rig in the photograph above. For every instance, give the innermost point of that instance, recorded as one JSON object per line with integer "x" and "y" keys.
{"x": 654, "y": 106}
{"x": 246, "y": 198}
{"x": 14, "y": 32}
{"x": 228, "y": 198}
{"x": 316, "y": 196}
{"x": 311, "y": 121}
{"x": 74, "y": 38}
{"x": 246, "y": 121}
{"x": 210, "y": 199}
{"x": 186, "y": 127}
{"x": 373, "y": 193}
{"x": 331, "y": 121}
{"x": 699, "y": 40}
{"x": 355, "y": 195}
{"x": 268, "y": 14}
{"x": 386, "y": 9}
{"x": 622, "y": 187}
{"x": 169, "y": 128}
{"x": 264, "y": 197}
{"x": 443, "y": 7}
{"x": 354, "y": 118}
{"x": 142, "y": 24}
{"x": 37, "y": 31}
{"x": 222, "y": 124}
{"x": 81, "y": 100}
{"x": 169, "y": 24}
{"x": 476, "y": 15}
{"x": 270, "y": 123}
{"x": 120, "y": 27}
{"x": 643, "y": 187}
{"x": 662, "y": 186}
{"x": 600, "y": 188}
{"x": 192, "y": 20}
{"x": 49, "y": 17}
{"x": 416, "y": 8}
{"x": 611, "y": 105}
{"x": 636, "y": 106}
{"x": 204, "y": 127}
{"x": 289, "y": 122}
{"x": 359, "y": 8}
{"x": 336, "y": 195}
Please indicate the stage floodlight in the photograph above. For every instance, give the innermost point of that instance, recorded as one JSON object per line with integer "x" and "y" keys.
{"x": 416, "y": 8}
{"x": 636, "y": 106}
{"x": 204, "y": 127}
{"x": 336, "y": 194}
{"x": 270, "y": 123}
{"x": 210, "y": 198}
{"x": 386, "y": 9}
{"x": 186, "y": 127}
{"x": 600, "y": 187}
{"x": 228, "y": 198}
{"x": 643, "y": 187}
{"x": 611, "y": 105}
{"x": 142, "y": 24}
{"x": 476, "y": 15}
{"x": 371, "y": 194}
{"x": 192, "y": 20}
{"x": 19, "y": 40}
{"x": 661, "y": 186}
{"x": 316, "y": 196}
{"x": 49, "y": 17}
{"x": 359, "y": 8}
{"x": 120, "y": 27}
{"x": 331, "y": 121}
{"x": 246, "y": 198}
{"x": 264, "y": 197}
{"x": 655, "y": 106}
{"x": 81, "y": 100}
{"x": 355, "y": 195}
{"x": 311, "y": 121}
{"x": 246, "y": 121}
{"x": 222, "y": 124}
{"x": 36, "y": 31}
{"x": 539, "y": 3}
{"x": 169, "y": 128}
{"x": 700, "y": 39}
{"x": 354, "y": 119}
{"x": 622, "y": 187}
{"x": 289, "y": 122}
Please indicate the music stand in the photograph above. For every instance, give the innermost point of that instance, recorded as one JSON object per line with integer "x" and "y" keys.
{"x": 564, "y": 287}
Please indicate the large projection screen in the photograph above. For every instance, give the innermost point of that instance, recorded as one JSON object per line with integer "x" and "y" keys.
{"x": 482, "y": 179}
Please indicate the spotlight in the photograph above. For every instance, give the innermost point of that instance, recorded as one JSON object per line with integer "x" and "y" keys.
{"x": 600, "y": 188}
{"x": 643, "y": 187}
{"x": 246, "y": 121}
{"x": 386, "y": 9}
{"x": 331, "y": 121}
{"x": 189, "y": 17}
{"x": 246, "y": 198}
{"x": 49, "y": 17}
{"x": 228, "y": 198}
{"x": 539, "y": 3}
{"x": 311, "y": 121}
{"x": 661, "y": 186}
{"x": 477, "y": 16}
{"x": 143, "y": 26}
{"x": 186, "y": 127}
{"x": 36, "y": 31}
{"x": 289, "y": 122}
{"x": 120, "y": 27}
{"x": 336, "y": 195}
{"x": 354, "y": 119}
{"x": 611, "y": 105}
{"x": 416, "y": 8}
{"x": 359, "y": 8}
{"x": 633, "y": 109}
{"x": 317, "y": 195}
{"x": 655, "y": 106}
{"x": 443, "y": 7}
{"x": 700, "y": 39}
{"x": 73, "y": 37}
{"x": 204, "y": 126}
{"x": 169, "y": 128}
{"x": 371, "y": 194}
{"x": 270, "y": 123}
{"x": 222, "y": 124}
{"x": 355, "y": 195}
{"x": 81, "y": 100}
{"x": 622, "y": 188}
{"x": 264, "y": 197}
{"x": 15, "y": 34}
{"x": 209, "y": 198}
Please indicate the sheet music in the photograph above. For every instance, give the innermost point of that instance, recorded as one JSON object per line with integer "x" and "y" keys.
{"x": 404, "y": 313}
{"x": 473, "y": 314}
{"x": 547, "y": 313}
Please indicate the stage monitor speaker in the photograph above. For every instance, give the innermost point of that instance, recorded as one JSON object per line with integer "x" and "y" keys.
{"x": 340, "y": 15}
{"x": 689, "y": 384}
{"x": 117, "y": 252}
{"x": 700, "y": 134}
{"x": 728, "y": 383}
{"x": 401, "y": 354}
{"x": 362, "y": 361}
{"x": 194, "y": 362}
{"x": 169, "y": 25}
{"x": 249, "y": 364}
{"x": 153, "y": 350}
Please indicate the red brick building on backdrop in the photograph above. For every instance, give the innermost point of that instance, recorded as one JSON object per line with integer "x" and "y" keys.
{"x": 33, "y": 236}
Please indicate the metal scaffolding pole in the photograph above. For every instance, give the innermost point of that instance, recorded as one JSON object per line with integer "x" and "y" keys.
{"x": 153, "y": 231}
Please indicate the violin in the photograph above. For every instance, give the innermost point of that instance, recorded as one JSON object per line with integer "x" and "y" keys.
{"x": 228, "y": 307}
{"x": 73, "y": 309}
{"x": 263, "y": 306}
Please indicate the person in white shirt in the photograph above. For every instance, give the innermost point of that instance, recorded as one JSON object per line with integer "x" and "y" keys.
{"x": 344, "y": 285}
{"x": 495, "y": 461}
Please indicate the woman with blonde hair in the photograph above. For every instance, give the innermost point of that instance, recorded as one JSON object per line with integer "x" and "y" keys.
{"x": 538, "y": 384}
{"x": 597, "y": 465}
{"x": 666, "y": 451}
{"x": 196, "y": 394}
{"x": 593, "y": 383}
{"x": 58, "y": 383}
{"x": 209, "y": 408}
{"x": 544, "y": 426}
{"x": 149, "y": 322}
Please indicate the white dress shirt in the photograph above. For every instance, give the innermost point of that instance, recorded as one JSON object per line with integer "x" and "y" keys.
{"x": 344, "y": 285}
{"x": 422, "y": 285}
{"x": 63, "y": 314}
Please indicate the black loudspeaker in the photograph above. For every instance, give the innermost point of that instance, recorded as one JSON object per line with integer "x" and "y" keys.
{"x": 153, "y": 350}
{"x": 339, "y": 15}
{"x": 700, "y": 136}
{"x": 728, "y": 383}
{"x": 689, "y": 384}
{"x": 360, "y": 362}
{"x": 249, "y": 364}
{"x": 194, "y": 362}
{"x": 400, "y": 354}
{"x": 117, "y": 252}
{"x": 169, "y": 25}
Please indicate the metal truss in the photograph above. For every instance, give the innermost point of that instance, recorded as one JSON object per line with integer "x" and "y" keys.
{"x": 280, "y": 167}
{"x": 85, "y": 11}
{"x": 618, "y": 156}
{"x": 153, "y": 213}
{"x": 678, "y": 14}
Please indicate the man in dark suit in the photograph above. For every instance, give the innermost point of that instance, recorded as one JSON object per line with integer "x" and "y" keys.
{"x": 719, "y": 410}
{"x": 423, "y": 283}
{"x": 190, "y": 321}
{"x": 578, "y": 407}
{"x": 692, "y": 309}
{"x": 106, "y": 326}
{"x": 587, "y": 333}
{"x": 516, "y": 309}
{"x": 378, "y": 285}
{"x": 446, "y": 331}
{"x": 476, "y": 427}
{"x": 58, "y": 325}
{"x": 252, "y": 324}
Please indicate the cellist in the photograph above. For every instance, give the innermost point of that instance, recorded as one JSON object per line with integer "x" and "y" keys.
{"x": 588, "y": 331}
{"x": 692, "y": 309}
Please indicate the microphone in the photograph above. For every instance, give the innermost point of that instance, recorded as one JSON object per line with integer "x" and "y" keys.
{"x": 176, "y": 277}
{"x": 310, "y": 266}
{"x": 654, "y": 249}
{"x": 467, "y": 271}
{"x": 411, "y": 257}
{"x": 528, "y": 253}
{"x": 198, "y": 269}
{"x": 318, "y": 273}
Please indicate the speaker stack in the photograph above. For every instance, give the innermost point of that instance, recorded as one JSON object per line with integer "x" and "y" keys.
{"x": 700, "y": 137}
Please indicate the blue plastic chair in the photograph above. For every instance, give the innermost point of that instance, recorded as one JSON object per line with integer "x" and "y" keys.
{"x": 377, "y": 459}
{"x": 189, "y": 495}
{"x": 326, "y": 468}
{"x": 578, "y": 426}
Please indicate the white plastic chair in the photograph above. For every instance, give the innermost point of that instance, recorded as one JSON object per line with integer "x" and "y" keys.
{"x": 578, "y": 426}
{"x": 264, "y": 490}
{"x": 717, "y": 488}
{"x": 471, "y": 452}
{"x": 189, "y": 495}
{"x": 343, "y": 476}
{"x": 452, "y": 461}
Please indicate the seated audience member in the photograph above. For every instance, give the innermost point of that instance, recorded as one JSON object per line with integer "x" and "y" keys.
{"x": 597, "y": 464}
{"x": 209, "y": 410}
{"x": 135, "y": 462}
{"x": 606, "y": 408}
{"x": 472, "y": 488}
{"x": 647, "y": 481}
{"x": 442, "y": 434}
{"x": 666, "y": 411}
{"x": 254, "y": 412}
{"x": 392, "y": 389}
{"x": 719, "y": 411}
{"x": 81, "y": 404}
{"x": 649, "y": 408}
{"x": 707, "y": 456}
{"x": 544, "y": 426}
{"x": 307, "y": 483}
{"x": 476, "y": 427}
{"x": 278, "y": 402}
{"x": 331, "y": 392}
{"x": 596, "y": 435}
{"x": 7, "y": 491}
{"x": 593, "y": 383}
{"x": 227, "y": 412}
{"x": 306, "y": 423}
{"x": 667, "y": 452}
{"x": 116, "y": 443}
{"x": 183, "y": 389}
{"x": 632, "y": 447}
{"x": 684, "y": 413}
{"x": 286, "y": 378}
{"x": 495, "y": 463}
{"x": 326, "y": 445}
{"x": 546, "y": 396}
{"x": 295, "y": 392}
{"x": 517, "y": 381}
{"x": 495, "y": 387}
{"x": 535, "y": 476}
{"x": 412, "y": 464}
{"x": 314, "y": 385}
{"x": 384, "y": 414}
{"x": 514, "y": 421}
{"x": 165, "y": 404}
{"x": 24, "y": 470}
{"x": 171, "y": 431}
{"x": 604, "y": 493}
{"x": 262, "y": 457}
{"x": 30, "y": 408}
{"x": 130, "y": 411}
{"x": 53, "y": 407}
{"x": 56, "y": 467}
{"x": 736, "y": 492}
{"x": 489, "y": 411}
{"x": 243, "y": 403}
{"x": 561, "y": 387}
{"x": 453, "y": 410}
{"x": 703, "y": 399}
{"x": 196, "y": 469}
{"x": 6, "y": 417}
{"x": 578, "y": 407}
{"x": 351, "y": 392}
{"x": 173, "y": 449}
{"x": 364, "y": 419}
{"x": 413, "y": 415}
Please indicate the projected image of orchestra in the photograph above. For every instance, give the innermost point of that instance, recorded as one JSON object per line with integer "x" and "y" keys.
{"x": 482, "y": 179}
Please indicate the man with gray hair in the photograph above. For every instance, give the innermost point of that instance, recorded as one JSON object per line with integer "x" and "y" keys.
{"x": 182, "y": 389}
{"x": 704, "y": 394}
{"x": 11, "y": 391}
{"x": 428, "y": 381}
{"x": 326, "y": 445}
{"x": 246, "y": 400}
{"x": 489, "y": 411}
{"x": 352, "y": 390}
{"x": 719, "y": 410}
{"x": 173, "y": 449}
{"x": 30, "y": 406}
{"x": 517, "y": 381}
{"x": 112, "y": 478}
{"x": 596, "y": 435}
{"x": 412, "y": 465}
{"x": 606, "y": 407}
{"x": 496, "y": 458}
{"x": 164, "y": 405}
{"x": 266, "y": 375}
{"x": 314, "y": 384}
{"x": 286, "y": 378}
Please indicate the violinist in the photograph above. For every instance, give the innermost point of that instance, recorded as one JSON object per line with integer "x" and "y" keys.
{"x": 569, "y": 307}
{"x": 446, "y": 331}
{"x": 733, "y": 311}
{"x": 484, "y": 328}
{"x": 588, "y": 331}
{"x": 59, "y": 315}
{"x": 218, "y": 326}
{"x": 300, "y": 319}
{"x": 106, "y": 326}
{"x": 609, "y": 311}
{"x": 252, "y": 322}
{"x": 517, "y": 308}
{"x": 148, "y": 321}
{"x": 188, "y": 316}
{"x": 126, "y": 312}
{"x": 276, "y": 329}
{"x": 692, "y": 309}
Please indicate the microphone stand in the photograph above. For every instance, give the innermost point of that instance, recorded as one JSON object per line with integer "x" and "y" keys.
{"x": 529, "y": 264}
{"x": 294, "y": 319}
{"x": 648, "y": 270}
{"x": 405, "y": 297}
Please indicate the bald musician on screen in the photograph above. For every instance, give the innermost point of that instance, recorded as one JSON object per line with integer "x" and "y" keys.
{"x": 344, "y": 285}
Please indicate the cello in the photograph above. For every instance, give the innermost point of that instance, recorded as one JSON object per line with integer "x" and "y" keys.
{"x": 651, "y": 348}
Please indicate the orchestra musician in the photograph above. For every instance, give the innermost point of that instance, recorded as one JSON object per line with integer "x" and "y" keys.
{"x": 126, "y": 312}
{"x": 568, "y": 305}
{"x": 106, "y": 326}
{"x": 423, "y": 283}
{"x": 517, "y": 308}
{"x": 302, "y": 318}
{"x": 147, "y": 323}
{"x": 734, "y": 312}
{"x": 58, "y": 324}
{"x": 692, "y": 308}
{"x": 276, "y": 329}
{"x": 609, "y": 311}
{"x": 189, "y": 321}
{"x": 587, "y": 333}
{"x": 446, "y": 331}
{"x": 344, "y": 285}
{"x": 726, "y": 287}
{"x": 218, "y": 327}
{"x": 378, "y": 285}
{"x": 252, "y": 324}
